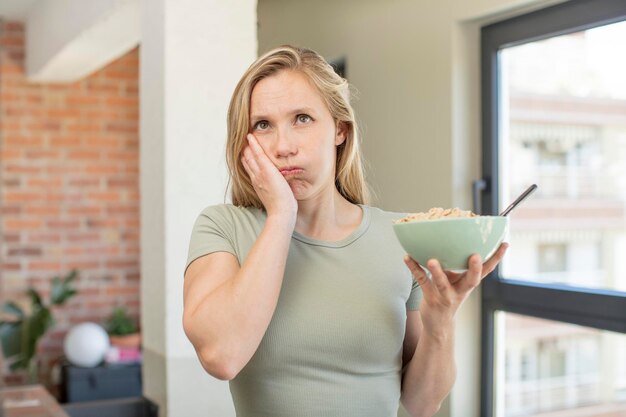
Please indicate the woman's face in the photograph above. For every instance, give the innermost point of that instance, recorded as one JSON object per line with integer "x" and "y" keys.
{"x": 297, "y": 132}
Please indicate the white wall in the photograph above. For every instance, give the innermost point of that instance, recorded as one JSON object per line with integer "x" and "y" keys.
{"x": 416, "y": 66}
{"x": 192, "y": 55}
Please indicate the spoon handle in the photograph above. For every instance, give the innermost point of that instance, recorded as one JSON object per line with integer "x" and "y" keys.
{"x": 519, "y": 199}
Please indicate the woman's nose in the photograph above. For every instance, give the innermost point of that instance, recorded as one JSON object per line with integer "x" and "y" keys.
{"x": 285, "y": 144}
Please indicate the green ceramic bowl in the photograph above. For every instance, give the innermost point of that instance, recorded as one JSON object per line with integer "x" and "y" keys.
{"x": 452, "y": 240}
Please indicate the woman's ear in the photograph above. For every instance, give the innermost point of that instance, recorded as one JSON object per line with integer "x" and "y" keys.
{"x": 341, "y": 133}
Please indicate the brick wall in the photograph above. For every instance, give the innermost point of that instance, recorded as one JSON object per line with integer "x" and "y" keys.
{"x": 69, "y": 194}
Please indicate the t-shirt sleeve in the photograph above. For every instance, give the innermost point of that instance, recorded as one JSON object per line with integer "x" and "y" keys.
{"x": 213, "y": 231}
{"x": 413, "y": 303}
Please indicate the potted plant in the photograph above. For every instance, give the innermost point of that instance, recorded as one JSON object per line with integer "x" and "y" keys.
{"x": 122, "y": 330}
{"x": 20, "y": 333}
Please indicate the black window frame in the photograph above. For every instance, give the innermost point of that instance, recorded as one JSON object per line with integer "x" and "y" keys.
{"x": 597, "y": 308}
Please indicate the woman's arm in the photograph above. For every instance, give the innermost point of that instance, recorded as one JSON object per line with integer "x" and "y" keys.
{"x": 431, "y": 372}
{"x": 227, "y": 309}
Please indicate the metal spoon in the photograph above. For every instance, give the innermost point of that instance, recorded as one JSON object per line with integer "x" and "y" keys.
{"x": 519, "y": 199}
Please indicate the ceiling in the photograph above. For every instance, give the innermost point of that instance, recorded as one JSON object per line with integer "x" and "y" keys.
{"x": 16, "y": 9}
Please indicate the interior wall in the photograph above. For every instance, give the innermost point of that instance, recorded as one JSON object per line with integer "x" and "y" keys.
{"x": 415, "y": 68}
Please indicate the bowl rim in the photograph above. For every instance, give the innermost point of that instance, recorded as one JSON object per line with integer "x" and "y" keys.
{"x": 445, "y": 219}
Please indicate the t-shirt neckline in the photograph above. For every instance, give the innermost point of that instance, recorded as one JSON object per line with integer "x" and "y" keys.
{"x": 358, "y": 232}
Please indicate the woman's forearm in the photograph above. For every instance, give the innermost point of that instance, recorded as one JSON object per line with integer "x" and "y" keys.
{"x": 430, "y": 374}
{"x": 228, "y": 325}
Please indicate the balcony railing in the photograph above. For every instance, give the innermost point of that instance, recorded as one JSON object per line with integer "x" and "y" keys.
{"x": 570, "y": 182}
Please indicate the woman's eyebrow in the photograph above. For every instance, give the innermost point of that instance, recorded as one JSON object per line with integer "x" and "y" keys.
{"x": 256, "y": 117}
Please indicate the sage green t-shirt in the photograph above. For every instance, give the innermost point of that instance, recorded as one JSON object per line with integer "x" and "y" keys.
{"x": 334, "y": 345}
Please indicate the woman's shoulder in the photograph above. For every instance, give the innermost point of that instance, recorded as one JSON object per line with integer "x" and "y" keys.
{"x": 384, "y": 215}
{"x": 230, "y": 213}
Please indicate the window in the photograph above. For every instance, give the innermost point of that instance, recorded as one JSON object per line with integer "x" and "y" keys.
{"x": 554, "y": 114}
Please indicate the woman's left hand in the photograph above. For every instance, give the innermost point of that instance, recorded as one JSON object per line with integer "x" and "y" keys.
{"x": 444, "y": 294}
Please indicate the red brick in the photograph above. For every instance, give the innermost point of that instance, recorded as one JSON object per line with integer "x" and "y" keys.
{"x": 108, "y": 251}
{"x": 82, "y": 265}
{"x": 12, "y": 26}
{"x": 83, "y": 237}
{"x": 74, "y": 250}
{"x": 65, "y": 141}
{"x": 45, "y": 126}
{"x": 23, "y": 141}
{"x": 9, "y": 126}
{"x": 78, "y": 145}
{"x": 122, "y": 291}
{"x": 82, "y": 128}
{"x": 83, "y": 154}
{"x": 10, "y": 238}
{"x": 63, "y": 113}
{"x": 11, "y": 182}
{"x": 64, "y": 169}
{"x": 63, "y": 224}
{"x": 122, "y": 209}
{"x": 47, "y": 237}
{"x": 104, "y": 223}
{"x": 103, "y": 142}
{"x": 45, "y": 182}
{"x": 121, "y": 127}
{"x": 50, "y": 266}
{"x": 42, "y": 154}
{"x": 10, "y": 154}
{"x": 19, "y": 224}
{"x": 104, "y": 196}
{"x": 102, "y": 169}
{"x": 123, "y": 155}
{"x": 22, "y": 197}
{"x": 25, "y": 251}
{"x": 122, "y": 101}
{"x": 42, "y": 210}
{"x": 22, "y": 169}
{"x": 80, "y": 101}
{"x": 57, "y": 198}
{"x": 78, "y": 211}
{"x": 11, "y": 266}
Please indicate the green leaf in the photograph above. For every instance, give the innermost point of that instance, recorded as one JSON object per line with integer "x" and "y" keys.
{"x": 35, "y": 298}
{"x": 119, "y": 324}
{"x": 11, "y": 338}
{"x": 12, "y": 308}
{"x": 61, "y": 290}
{"x": 35, "y": 326}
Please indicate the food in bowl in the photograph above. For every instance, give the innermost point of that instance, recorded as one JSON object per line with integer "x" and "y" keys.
{"x": 437, "y": 213}
{"x": 450, "y": 235}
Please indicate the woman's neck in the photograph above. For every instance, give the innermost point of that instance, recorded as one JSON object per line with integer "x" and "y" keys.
{"x": 330, "y": 218}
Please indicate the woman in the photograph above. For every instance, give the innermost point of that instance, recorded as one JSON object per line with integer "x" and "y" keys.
{"x": 296, "y": 293}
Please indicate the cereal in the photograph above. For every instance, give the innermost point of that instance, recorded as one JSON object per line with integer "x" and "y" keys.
{"x": 437, "y": 213}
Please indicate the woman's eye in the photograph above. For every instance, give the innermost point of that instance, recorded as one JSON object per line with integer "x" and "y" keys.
{"x": 304, "y": 118}
{"x": 262, "y": 125}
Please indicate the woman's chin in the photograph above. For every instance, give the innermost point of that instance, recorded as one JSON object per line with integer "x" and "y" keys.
{"x": 298, "y": 188}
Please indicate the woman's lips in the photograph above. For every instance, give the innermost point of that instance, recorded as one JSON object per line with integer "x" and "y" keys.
{"x": 290, "y": 171}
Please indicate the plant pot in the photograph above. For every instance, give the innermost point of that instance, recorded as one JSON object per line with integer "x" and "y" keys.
{"x": 129, "y": 341}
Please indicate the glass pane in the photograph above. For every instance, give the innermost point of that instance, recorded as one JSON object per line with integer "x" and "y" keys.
{"x": 550, "y": 369}
{"x": 563, "y": 127}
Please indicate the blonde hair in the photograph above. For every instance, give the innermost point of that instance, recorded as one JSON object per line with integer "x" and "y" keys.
{"x": 349, "y": 175}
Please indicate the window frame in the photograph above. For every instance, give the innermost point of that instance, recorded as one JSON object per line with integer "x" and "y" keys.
{"x": 597, "y": 308}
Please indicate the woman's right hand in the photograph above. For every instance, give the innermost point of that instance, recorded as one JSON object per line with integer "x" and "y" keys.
{"x": 269, "y": 184}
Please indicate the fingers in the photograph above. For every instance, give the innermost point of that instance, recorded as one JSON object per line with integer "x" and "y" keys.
{"x": 473, "y": 276}
{"x": 257, "y": 153}
{"x": 420, "y": 276}
{"x": 491, "y": 264}
{"x": 440, "y": 279}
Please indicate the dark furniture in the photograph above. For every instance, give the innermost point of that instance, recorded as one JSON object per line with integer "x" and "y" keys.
{"x": 102, "y": 382}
